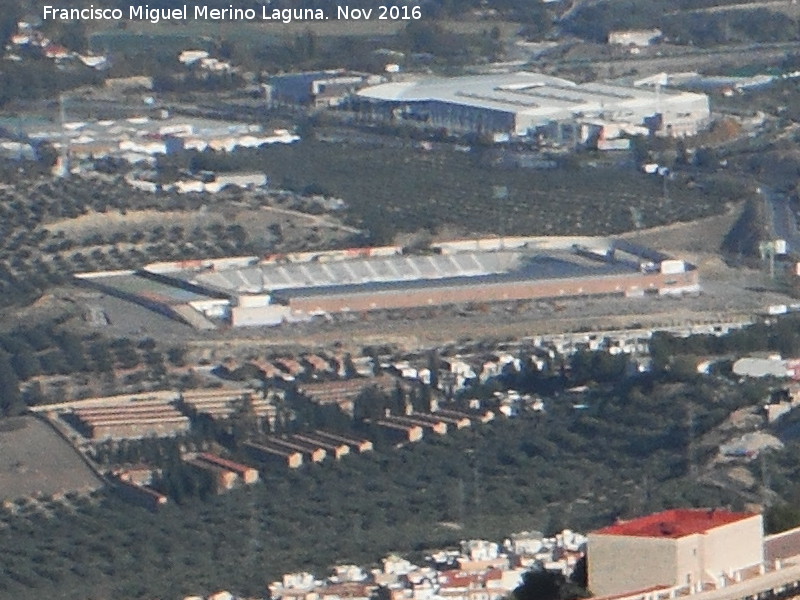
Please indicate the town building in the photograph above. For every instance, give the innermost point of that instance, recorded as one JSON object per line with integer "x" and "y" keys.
{"x": 269, "y": 453}
{"x": 477, "y": 570}
{"x": 126, "y": 417}
{"x": 358, "y": 445}
{"x": 634, "y": 37}
{"x": 402, "y": 432}
{"x": 317, "y": 88}
{"x": 313, "y": 452}
{"x": 222, "y": 479}
{"x": 336, "y": 450}
{"x": 140, "y": 474}
{"x": 222, "y": 404}
{"x": 140, "y": 495}
{"x": 141, "y": 139}
{"x": 291, "y": 366}
{"x": 246, "y": 474}
{"x": 343, "y": 393}
{"x": 454, "y": 419}
{"x": 428, "y": 422}
{"x": 769, "y": 366}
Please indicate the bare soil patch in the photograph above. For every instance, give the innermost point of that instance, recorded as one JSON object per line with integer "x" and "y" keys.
{"x": 699, "y": 236}
{"x": 254, "y": 221}
{"x": 36, "y": 461}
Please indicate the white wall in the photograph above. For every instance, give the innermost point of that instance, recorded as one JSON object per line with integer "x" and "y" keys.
{"x": 262, "y": 315}
{"x": 734, "y": 546}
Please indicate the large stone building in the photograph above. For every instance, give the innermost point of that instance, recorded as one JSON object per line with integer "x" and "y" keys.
{"x": 674, "y": 548}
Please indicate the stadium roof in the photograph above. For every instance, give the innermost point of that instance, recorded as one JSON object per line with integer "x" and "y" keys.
{"x": 281, "y": 276}
{"x": 532, "y": 268}
{"x": 390, "y": 273}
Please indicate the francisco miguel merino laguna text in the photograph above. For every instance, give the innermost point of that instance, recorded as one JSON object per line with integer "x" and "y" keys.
{"x": 204, "y": 13}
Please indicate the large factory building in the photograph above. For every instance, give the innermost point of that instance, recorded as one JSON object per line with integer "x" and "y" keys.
{"x": 523, "y": 103}
{"x": 249, "y": 291}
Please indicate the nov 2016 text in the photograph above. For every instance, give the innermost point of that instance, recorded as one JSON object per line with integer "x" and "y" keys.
{"x": 197, "y": 12}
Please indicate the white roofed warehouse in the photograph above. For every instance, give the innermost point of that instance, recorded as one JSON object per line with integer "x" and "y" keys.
{"x": 524, "y": 103}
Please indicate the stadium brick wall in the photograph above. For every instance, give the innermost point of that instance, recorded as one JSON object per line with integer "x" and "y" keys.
{"x": 493, "y": 292}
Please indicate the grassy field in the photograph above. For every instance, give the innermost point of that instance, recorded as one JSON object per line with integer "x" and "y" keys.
{"x": 255, "y": 222}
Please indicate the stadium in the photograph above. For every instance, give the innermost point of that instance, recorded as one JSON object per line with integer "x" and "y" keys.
{"x": 253, "y": 291}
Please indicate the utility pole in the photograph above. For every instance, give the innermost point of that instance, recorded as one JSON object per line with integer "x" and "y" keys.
{"x": 772, "y": 262}
{"x": 690, "y": 450}
{"x": 61, "y": 168}
{"x": 476, "y": 482}
{"x": 500, "y": 194}
{"x": 460, "y": 499}
{"x": 767, "y": 251}
{"x": 765, "y": 482}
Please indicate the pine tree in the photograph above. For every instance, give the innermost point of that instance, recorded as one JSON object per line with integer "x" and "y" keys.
{"x": 10, "y": 397}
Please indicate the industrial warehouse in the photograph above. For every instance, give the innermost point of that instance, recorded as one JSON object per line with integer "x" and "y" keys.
{"x": 525, "y": 104}
{"x": 249, "y": 291}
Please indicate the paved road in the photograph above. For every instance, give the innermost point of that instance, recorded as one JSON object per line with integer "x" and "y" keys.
{"x": 650, "y": 61}
{"x": 778, "y": 5}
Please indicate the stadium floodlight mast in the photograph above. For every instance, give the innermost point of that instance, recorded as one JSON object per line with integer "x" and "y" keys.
{"x": 499, "y": 193}
{"x": 61, "y": 168}
{"x": 767, "y": 250}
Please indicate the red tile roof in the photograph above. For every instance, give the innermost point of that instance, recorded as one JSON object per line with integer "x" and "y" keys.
{"x": 230, "y": 465}
{"x": 675, "y": 523}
